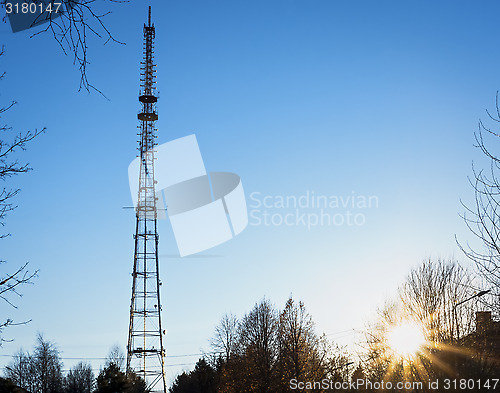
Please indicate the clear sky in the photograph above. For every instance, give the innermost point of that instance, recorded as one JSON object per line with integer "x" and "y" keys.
{"x": 336, "y": 98}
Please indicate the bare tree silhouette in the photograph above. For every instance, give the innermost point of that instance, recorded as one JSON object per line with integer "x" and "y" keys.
{"x": 11, "y": 282}
{"x": 483, "y": 219}
{"x": 72, "y": 27}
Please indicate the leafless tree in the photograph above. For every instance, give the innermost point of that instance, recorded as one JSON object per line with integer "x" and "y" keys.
{"x": 116, "y": 356}
{"x": 431, "y": 294}
{"x": 40, "y": 371}
{"x": 483, "y": 219}
{"x": 226, "y": 336}
{"x": 48, "y": 366}
{"x": 302, "y": 354}
{"x": 72, "y": 28}
{"x": 258, "y": 339}
{"x": 298, "y": 343}
{"x": 436, "y": 299}
{"x": 269, "y": 347}
{"x": 9, "y": 166}
{"x": 376, "y": 358}
{"x": 334, "y": 360}
{"x": 9, "y": 285}
{"x": 20, "y": 370}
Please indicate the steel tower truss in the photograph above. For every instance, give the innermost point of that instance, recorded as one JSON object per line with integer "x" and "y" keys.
{"x": 145, "y": 352}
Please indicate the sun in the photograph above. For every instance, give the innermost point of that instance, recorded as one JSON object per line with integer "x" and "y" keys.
{"x": 405, "y": 340}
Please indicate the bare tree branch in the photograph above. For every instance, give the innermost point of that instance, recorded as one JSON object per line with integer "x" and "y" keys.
{"x": 483, "y": 219}
{"x": 11, "y": 282}
{"x": 72, "y": 27}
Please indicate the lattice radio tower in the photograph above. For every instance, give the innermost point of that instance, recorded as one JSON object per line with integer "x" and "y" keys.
{"x": 145, "y": 352}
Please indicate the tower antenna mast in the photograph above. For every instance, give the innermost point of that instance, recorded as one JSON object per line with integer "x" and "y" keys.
{"x": 145, "y": 351}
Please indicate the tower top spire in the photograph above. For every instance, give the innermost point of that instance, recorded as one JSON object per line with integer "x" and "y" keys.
{"x": 148, "y": 75}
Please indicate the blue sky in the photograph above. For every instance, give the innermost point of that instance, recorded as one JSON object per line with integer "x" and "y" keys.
{"x": 336, "y": 97}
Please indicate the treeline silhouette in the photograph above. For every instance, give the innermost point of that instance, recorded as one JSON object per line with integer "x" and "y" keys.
{"x": 263, "y": 351}
{"x": 273, "y": 351}
{"x": 41, "y": 372}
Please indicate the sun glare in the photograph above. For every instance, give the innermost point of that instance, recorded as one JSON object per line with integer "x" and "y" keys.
{"x": 405, "y": 340}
